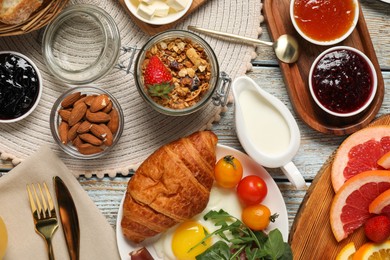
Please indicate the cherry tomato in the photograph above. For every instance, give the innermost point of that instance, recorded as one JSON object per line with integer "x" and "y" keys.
{"x": 228, "y": 171}
{"x": 257, "y": 217}
{"x": 252, "y": 190}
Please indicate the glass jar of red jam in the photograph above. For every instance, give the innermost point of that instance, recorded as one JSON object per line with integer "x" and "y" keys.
{"x": 20, "y": 86}
{"x": 343, "y": 81}
{"x": 324, "y": 22}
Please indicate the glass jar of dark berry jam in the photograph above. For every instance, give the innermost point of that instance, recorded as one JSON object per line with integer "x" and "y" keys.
{"x": 20, "y": 86}
{"x": 343, "y": 81}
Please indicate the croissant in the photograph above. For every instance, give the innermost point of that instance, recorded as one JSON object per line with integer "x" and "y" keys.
{"x": 172, "y": 185}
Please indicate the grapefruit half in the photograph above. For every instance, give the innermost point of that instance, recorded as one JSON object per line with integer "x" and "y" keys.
{"x": 360, "y": 152}
{"x": 350, "y": 206}
{"x": 381, "y": 204}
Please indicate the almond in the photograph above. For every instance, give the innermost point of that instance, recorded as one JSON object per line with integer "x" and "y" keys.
{"x": 98, "y": 117}
{"x": 64, "y": 114}
{"x": 84, "y": 127}
{"x": 63, "y": 129}
{"x": 77, "y": 113}
{"x": 113, "y": 124}
{"x": 89, "y": 138}
{"x": 108, "y": 108}
{"x": 99, "y": 103}
{"x": 81, "y": 99}
{"x": 99, "y": 131}
{"x": 89, "y": 99}
{"x": 77, "y": 141}
{"x": 109, "y": 137}
{"x": 72, "y": 133}
{"x": 70, "y": 99}
{"x": 89, "y": 149}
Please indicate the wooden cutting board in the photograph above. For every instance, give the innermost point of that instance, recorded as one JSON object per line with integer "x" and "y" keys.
{"x": 311, "y": 236}
{"x": 154, "y": 29}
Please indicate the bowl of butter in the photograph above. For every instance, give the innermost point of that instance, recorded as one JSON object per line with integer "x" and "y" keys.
{"x": 158, "y": 12}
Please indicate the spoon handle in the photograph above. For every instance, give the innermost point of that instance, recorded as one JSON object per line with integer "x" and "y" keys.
{"x": 241, "y": 39}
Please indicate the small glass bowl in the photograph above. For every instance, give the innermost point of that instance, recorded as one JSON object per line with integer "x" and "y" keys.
{"x": 21, "y": 67}
{"x": 81, "y": 45}
{"x": 55, "y": 120}
{"x": 219, "y": 84}
{"x": 337, "y": 94}
{"x": 316, "y": 40}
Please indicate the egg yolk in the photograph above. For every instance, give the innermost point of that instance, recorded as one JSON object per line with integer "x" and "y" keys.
{"x": 186, "y": 236}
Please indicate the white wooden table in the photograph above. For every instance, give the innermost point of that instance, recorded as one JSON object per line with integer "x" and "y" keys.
{"x": 315, "y": 147}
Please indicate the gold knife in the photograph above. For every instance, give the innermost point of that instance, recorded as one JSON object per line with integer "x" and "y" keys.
{"x": 68, "y": 217}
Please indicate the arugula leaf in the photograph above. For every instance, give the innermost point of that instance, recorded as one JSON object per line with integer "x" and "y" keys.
{"x": 218, "y": 251}
{"x": 242, "y": 240}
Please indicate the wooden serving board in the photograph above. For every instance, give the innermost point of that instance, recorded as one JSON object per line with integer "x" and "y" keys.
{"x": 311, "y": 236}
{"x": 277, "y": 16}
{"x": 154, "y": 29}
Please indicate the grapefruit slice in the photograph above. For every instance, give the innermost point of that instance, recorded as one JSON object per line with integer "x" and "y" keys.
{"x": 360, "y": 152}
{"x": 350, "y": 206}
{"x": 381, "y": 204}
{"x": 346, "y": 252}
{"x": 373, "y": 251}
{"x": 384, "y": 161}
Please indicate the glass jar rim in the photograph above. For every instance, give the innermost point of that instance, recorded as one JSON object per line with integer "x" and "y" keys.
{"x": 180, "y": 34}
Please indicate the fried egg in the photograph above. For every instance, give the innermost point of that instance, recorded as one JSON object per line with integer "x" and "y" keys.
{"x": 176, "y": 242}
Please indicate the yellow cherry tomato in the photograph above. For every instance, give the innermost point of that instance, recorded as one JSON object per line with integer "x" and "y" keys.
{"x": 257, "y": 217}
{"x": 228, "y": 171}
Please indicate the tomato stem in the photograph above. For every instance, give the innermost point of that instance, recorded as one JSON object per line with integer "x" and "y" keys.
{"x": 273, "y": 217}
{"x": 229, "y": 159}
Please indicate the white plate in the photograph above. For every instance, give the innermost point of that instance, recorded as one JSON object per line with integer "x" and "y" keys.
{"x": 274, "y": 201}
{"x": 157, "y": 20}
{"x": 386, "y": 1}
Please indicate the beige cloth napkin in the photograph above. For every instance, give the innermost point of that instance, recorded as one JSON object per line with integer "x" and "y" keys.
{"x": 97, "y": 237}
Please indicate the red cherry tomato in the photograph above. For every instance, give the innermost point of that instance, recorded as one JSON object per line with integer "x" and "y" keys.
{"x": 252, "y": 190}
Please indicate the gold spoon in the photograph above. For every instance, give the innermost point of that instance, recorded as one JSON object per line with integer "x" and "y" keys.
{"x": 286, "y": 47}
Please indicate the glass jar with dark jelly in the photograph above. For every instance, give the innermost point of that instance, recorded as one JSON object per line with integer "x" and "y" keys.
{"x": 19, "y": 86}
{"x": 342, "y": 80}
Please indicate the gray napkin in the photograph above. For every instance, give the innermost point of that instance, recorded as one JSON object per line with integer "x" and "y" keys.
{"x": 97, "y": 236}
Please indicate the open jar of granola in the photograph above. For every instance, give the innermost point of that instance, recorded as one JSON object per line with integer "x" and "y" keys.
{"x": 177, "y": 73}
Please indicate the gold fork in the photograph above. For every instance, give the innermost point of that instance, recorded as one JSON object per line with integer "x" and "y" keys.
{"x": 44, "y": 214}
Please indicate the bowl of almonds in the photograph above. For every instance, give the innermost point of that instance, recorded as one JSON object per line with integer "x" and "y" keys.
{"x": 86, "y": 122}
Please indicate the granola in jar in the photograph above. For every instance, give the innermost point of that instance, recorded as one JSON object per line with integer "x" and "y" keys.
{"x": 185, "y": 77}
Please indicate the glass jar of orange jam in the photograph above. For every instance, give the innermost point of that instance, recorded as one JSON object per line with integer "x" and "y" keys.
{"x": 324, "y": 20}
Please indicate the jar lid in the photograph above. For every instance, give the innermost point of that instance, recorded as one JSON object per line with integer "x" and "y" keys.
{"x": 81, "y": 45}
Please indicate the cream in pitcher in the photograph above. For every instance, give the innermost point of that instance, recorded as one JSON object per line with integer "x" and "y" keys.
{"x": 266, "y": 129}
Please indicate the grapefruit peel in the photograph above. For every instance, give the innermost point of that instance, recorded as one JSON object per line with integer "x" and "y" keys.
{"x": 380, "y": 203}
{"x": 343, "y": 198}
{"x": 384, "y": 161}
{"x": 342, "y": 156}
